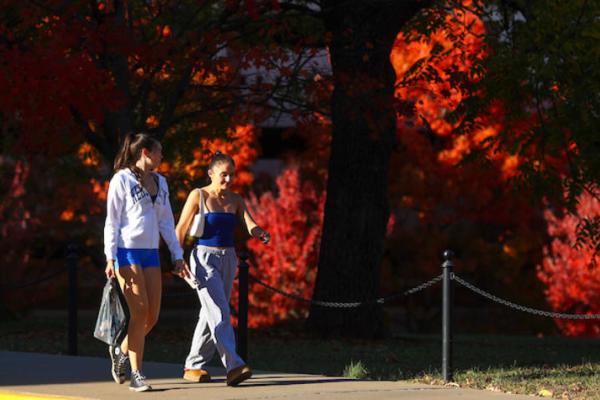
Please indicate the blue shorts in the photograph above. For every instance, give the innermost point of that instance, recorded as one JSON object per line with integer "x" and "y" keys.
{"x": 145, "y": 258}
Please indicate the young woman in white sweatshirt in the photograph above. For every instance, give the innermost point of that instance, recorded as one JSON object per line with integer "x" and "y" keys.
{"x": 138, "y": 211}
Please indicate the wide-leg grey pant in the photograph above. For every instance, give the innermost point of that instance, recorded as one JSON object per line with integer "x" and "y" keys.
{"x": 215, "y": 271}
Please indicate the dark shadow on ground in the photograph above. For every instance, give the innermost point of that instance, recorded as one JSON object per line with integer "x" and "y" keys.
{"x": 18, "y": 369}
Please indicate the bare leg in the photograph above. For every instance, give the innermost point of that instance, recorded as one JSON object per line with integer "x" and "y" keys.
{"x": 133, "y": 285}
{"x": 125, "y": 345}
{"x": 153, "y": 291}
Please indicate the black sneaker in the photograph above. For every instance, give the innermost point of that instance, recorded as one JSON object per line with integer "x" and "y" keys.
{"x": 119, "y": 363}
{"x": 138, "y": 382}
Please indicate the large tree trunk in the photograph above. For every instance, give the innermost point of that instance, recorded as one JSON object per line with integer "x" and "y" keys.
{"x": 364, "y": 129}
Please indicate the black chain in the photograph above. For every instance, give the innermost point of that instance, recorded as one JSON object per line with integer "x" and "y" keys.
{"x": 35, "y": 282}
{"x": 518, "y": 307}
{"x": 335, "y": 304}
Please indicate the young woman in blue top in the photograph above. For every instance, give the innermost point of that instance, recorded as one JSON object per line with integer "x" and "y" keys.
{"x": 213, "y": 262}
{"x": 138, "y": 210}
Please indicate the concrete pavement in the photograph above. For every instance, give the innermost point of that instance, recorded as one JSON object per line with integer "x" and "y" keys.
{"x": 28, "y": 376}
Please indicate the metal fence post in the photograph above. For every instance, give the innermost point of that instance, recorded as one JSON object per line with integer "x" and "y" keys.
{"x": 447, "y": 316}
{"x": 242, "y": 329}
{"x": 72, "y": 261}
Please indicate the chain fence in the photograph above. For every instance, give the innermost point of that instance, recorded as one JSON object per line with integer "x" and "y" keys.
{"x": 18, "y": 286}
{"x": 336, "y": 304}
{"x": 519, "y": 307}
{"x": 355, "y": 304}
{"x": 423, "y": 286}
{"x": 446, "y": 277}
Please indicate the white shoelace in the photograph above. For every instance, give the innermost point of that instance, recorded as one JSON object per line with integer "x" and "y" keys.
{"x": 122, "y": 360}
{"x": 139, "y": 376}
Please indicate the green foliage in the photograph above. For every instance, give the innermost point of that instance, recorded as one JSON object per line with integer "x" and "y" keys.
{"x": 355, "y": 370}
{"x": 545, "y": 62}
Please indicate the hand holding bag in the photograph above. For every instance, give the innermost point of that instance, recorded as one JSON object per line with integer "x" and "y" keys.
{"x": 112, "y": 319}
{"x": 197, "y": 226}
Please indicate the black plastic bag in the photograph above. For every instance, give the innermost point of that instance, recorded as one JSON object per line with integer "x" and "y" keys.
{"x": 112, "y": 319}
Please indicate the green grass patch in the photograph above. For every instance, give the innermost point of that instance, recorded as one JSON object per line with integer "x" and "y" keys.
{"x": 355, "y": 370}
{"x": 567, "y": 368}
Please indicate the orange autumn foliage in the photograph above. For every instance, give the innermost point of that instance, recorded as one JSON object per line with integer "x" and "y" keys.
{"x": 435, "y": 93}
{"x": 189, "y": 168}
{"x": 240, "y": 145}
{"x": 440, "y": 200}
{"x": 430, "y": 168}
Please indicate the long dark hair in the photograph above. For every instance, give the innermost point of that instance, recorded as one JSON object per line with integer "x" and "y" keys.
{"x": 131, "y": 151}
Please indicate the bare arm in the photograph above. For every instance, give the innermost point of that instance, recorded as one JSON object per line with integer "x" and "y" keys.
{"x": 187, "y": 214}
{"x": 253, "y": 229}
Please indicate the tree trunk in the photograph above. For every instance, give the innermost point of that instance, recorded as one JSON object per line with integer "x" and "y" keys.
{"x": 363, "y": 129}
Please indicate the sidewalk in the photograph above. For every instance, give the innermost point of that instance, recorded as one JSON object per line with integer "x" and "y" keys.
{"x": 67, "y": 377}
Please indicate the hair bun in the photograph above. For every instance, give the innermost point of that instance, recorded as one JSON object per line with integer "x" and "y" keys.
{"x": 218, "y": 158}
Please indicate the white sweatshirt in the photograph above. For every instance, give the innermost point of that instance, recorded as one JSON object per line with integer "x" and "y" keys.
{"x": 133, "y": 222}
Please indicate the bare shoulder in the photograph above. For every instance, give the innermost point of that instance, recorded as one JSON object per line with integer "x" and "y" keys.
{"x": 194, "y": 194}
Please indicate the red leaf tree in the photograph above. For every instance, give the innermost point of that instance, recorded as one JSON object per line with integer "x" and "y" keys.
{"x": 571, "y": 272}
{"x": 78, "y": 76}
{"x": 294, "y": 218}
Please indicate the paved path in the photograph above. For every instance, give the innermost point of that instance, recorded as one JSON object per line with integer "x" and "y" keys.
{"x": 28, "y": 376}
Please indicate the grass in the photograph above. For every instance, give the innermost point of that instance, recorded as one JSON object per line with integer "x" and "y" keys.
{"x": 565, "y": 368}
{"x": 563, "y": 381}
{"x": 355, "y": 370}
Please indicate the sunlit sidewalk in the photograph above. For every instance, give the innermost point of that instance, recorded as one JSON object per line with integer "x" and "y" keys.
{"x": 34, "y": 376}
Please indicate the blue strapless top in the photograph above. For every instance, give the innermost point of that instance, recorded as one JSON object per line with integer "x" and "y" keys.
{"x": 218, "y": 229}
